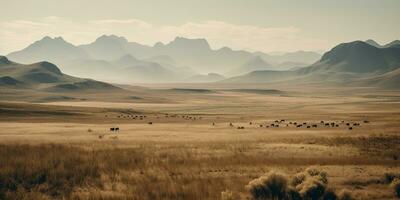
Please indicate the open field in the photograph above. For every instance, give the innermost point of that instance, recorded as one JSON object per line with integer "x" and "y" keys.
{"x": 193, "y": 149}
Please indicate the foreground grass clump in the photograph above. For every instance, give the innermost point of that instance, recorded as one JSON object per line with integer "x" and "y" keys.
{"x": 308, "y": 185}
{"x": 34, "y": 172}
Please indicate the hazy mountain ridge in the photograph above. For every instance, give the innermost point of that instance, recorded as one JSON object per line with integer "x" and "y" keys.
{"x": 44, "y": 76}
{"x": 348, "y": 63}
{"x": 189, "y": 56}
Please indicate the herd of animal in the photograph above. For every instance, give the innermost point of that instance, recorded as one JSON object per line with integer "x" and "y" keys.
{"x": 275, "y": 124}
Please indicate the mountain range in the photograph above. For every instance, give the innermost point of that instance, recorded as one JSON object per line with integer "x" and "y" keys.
{"x": 175, "y": 61}
{"x": 354, "y": 63}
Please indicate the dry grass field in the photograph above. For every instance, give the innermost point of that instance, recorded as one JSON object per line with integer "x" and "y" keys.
{"x": 186, "y": 144}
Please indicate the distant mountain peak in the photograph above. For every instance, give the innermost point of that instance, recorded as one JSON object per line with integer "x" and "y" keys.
{"x": 256, "y": 61}
{"x": 373, "y": 43}
{"x": 159, "y": 44}
{"x": 128, "y": 58}
{"x": 182, "y": 42}
{"x": 112, "y": 38}
{"x": 4, "y": 60}
{"x": 393, "y": 44}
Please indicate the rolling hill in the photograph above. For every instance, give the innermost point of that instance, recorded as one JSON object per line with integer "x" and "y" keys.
{"x": 45, "y": 76}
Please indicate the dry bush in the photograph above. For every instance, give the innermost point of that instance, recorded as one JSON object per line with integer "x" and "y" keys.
{"x": 272, "y": 185}
{"x": 298, "y": 178}
{"x": 391, "y": 176}
{"x": 396, "y": 187}
{"x": 312, "y": 188}
{"x": 316, "y": 172}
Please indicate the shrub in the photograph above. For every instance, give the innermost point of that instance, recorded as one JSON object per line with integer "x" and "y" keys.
{"x": 345, "y": 195}
{"x": 390, "y": 176}
{"x": 297, "y": 179}
{"x": 396, "y": 186}
{"x": 315, "y": 172}
{"x": 312, "y": 188}
{"x": 271, "y": 185}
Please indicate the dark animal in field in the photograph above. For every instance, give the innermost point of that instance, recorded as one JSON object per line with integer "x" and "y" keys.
{"x": 117, "y": 129}
{"x": 366, "y": 121}
{"x": 350, "y": 128}
{"x": 261, "y": 125}
{"x": 112, "y": 129}
{"x": 337, "y": 125}
{"x": 213, "y": 124}
{"x": 300, "y": 125}
{"x": 308, "y": 126}
{"x": 230, "y": 124}
{"x": 348, "y": 124}
{"x": 322, "y": 122}
{"x": 304, "y": 123}
{"x": 250, "y": 123}
{"x": 277, "y": 126}
{"x": 240, "y": 127}
{"x": 272, "y": 125}
{"x": 295, "y": 123}
{"x": 150, "y": 123}
{"x": 326, "y": 124}
{"x": 314, "y": 126}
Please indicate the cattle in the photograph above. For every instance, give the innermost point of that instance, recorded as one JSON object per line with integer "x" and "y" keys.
{"x": 150, "y": 123}
{"x": 261, "y": 125}
{"x": 308, "y": 126}
{"x": 314, "y": 126}
{"x": 350, "y": 128}
{"x": 366, "y": 121}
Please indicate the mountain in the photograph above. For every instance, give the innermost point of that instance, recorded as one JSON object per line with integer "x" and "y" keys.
{"x": 200, "y": 78}
{"x": 393, "y": 44}
{"x": 358, "y": 57}
{"x": 253, "y": 64}
{"x": 306, "y": 57}
{"x": 183, "y": 56}
{"x": 48, "y": 49}
{"x": 45, "y": 76}
{"x": 346, "y": 64}
{"x": 111, "y": 47}
{"x": 373, "y": 43}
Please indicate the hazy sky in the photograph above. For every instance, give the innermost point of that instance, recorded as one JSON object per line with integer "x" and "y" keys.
{"x": 265, "y": 25}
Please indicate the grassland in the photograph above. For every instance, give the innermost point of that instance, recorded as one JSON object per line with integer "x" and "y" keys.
{"x": 63, "y": 149}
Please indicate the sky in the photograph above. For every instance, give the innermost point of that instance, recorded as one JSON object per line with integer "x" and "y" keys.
{"x": 256, "y": 25}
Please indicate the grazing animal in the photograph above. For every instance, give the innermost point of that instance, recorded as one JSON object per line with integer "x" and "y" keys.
{"x": 261, "y": 125}
{"x": 314, "y": 126}
{"x": 308, "y": 126}
{"x": 112, "y": 129}
{"x": 250, "y": 123}
{"x": 150, "y": 123}
{"x": 230, "y": 124}
{"x": 366, "y": 121}
{"x": 348, "y": 124}
{"x": 213, "y": 124}
{"x": 350, "y": 128}
{"x": 300, "y": 125}
{"x": 117, "y": 129}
